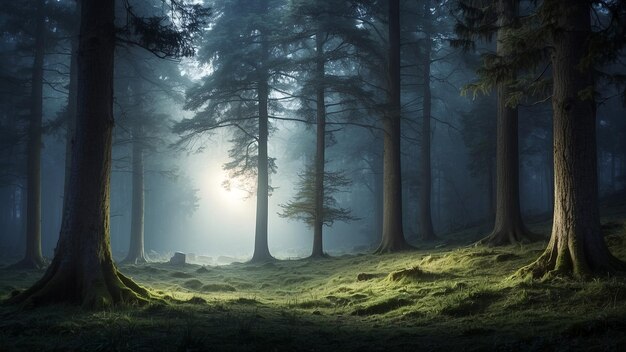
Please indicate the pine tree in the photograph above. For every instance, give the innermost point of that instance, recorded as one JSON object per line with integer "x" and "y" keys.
{"x": 244, "y": 49}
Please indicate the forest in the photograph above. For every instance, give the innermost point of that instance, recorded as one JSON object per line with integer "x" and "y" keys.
{"x": 312, "y": 175}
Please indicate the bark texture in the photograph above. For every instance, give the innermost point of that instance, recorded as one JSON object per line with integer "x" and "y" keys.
{"x": 509, "y": 227}
{"x": 576, "y": 246}
{"x": 425, "y": 211}
{"x": 393, "y": 236}
{"x": 33, "y": 257}
{"x": 318, "y": 226}
{"x": 82, "y": 271}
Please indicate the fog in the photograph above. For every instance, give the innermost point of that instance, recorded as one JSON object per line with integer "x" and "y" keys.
{"x": 188, "y": 207}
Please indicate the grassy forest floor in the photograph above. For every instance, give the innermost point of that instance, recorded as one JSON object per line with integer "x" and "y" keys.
{"x": 451, "y": 298}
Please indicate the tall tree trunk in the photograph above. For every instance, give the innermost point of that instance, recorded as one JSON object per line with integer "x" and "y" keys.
{"x": 82, "y": 271}
{"x": 136, "y": 246}
{"x": 318, "y": 226}
{"x": 261, "y": 248}
{"x": 509, "y": 227}
{"x": 393, "y": 235}
{"x": 576, "y": 246}
{"x": 72, "y": 105}
{"x": 426, "y": 221}
{"x": 33, "y": 257}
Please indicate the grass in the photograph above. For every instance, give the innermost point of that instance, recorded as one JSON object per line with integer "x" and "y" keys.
{"x": 451, "y": 298}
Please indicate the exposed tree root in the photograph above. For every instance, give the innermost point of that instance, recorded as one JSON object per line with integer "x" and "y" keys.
{"x": 505, "y": 237}
{"x": 260, "y": 259}
{"x": 65, "y": 283}
{"x": 316, "y": 256}
{"x": 563, "y": 261}
{"x": 393, "y": 247}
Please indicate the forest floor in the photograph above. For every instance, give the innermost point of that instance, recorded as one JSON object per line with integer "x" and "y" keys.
{"x": 444, "y": 299}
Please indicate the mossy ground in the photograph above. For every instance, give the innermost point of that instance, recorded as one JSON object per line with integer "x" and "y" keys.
{"x": 450, "y": 298}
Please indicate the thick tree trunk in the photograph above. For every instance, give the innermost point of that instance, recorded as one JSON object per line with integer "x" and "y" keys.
{"x": 136, "y": 247}
{"x": 425, "y": 212}
{"x": 318, "y": 225}
{"x": 576, "y": 246}
{"x": 33, "y": 257}
{"x": 72, "y": 105}
{"x": 82, "y": 271}
{"x": 509, "y": 227}
{"x": 393, "y": 235}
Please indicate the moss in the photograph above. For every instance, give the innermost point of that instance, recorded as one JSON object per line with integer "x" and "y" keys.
{"x": 202, "y": 270}
{"x": 193, "y": 284}
{"x": 435, "y": 299}
{"x": 383, "y": 306}
{"x": 218, "y": 288}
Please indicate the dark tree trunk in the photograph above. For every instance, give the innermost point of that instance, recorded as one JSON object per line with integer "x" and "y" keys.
{"x": 72, "y": 105}
{"x": 136, "y": 247}
{"x": 509, "y": 227}
{"x": 576, "y": 246}
{"x": 33, "y": 257}
{"x": 426, "y": 221}
{"x": 318, "y": 226}
{"x": 82, "y": 271}
{"x": 393, "y": 235}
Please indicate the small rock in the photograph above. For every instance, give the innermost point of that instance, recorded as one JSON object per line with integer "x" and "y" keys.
{"x": 178, "y": 258}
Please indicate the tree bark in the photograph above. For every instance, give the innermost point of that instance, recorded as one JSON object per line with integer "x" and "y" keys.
{"x": 136, "y": 247}
{"x": 82, "y": 271}
{"x": 509, "y": 227}
{"x": 576, "y": 246}
{"x": 33, "y": 257}
{"x": 393, "y": 236}
{"x": 425, "y": 212}
{"x": 261, "y": 247}
{"x": 318, "y": 226}
{"x": 72, "y": 104}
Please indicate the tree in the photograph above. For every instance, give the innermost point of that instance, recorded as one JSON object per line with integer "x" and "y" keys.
{"x": 426, "y": 222}
{"x": 245, "y": 49}
{"x": 335, "y": 35}
{"x": 304, "y": 206}
{"x": 393, "y": 234}
{"x": 82, "y": 270}
{"x": 576, "y": 245}
{"x": 501, "y": 17}
{"x": 33, "y": 257}
{"x": 478, "y": 130}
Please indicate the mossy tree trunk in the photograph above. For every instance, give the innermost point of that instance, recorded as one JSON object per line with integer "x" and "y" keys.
{"x": 33, "y": 257}
{"x": 509, "y": 227}
{"x": 318, "y": 225}
{"x": 136, "y": 247}
{"x": 576, "y": 246}
{"x": 393, "y": 236}
{"x": 82, "y": 271}
{"x": 425, "y": 210}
